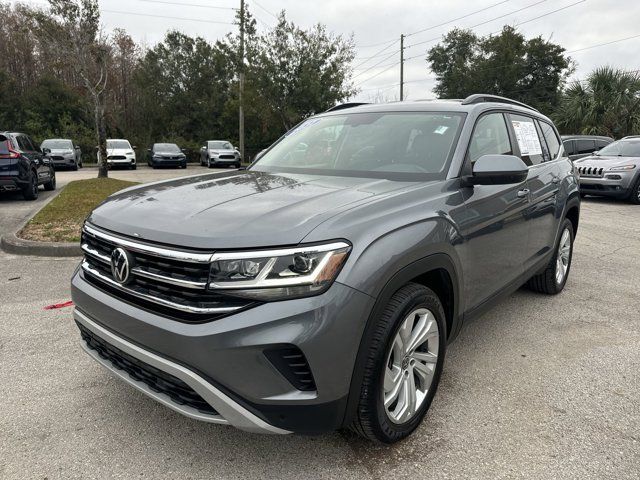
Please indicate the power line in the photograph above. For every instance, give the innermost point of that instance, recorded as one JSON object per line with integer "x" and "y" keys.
{"x": 375, "y": 55}
{"x": 167, "y": 17}
{"x": 376, "y": 44}
{"x": 377, "y": 74}
{"x": 188, "y": 4}
{"x": 603, "y": 44}
{"x": 481, "y": 23}
{"x": 264, "y": 9}
{"x": 377, "y": 64}
{"x": 456, "y": 19}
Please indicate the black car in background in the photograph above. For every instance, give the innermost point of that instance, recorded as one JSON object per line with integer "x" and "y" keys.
{"x": 24, "y": 166}
{"x": 579, "y": 146}
{"x": 166, "y": 155}
{"x": 64, "y": 153}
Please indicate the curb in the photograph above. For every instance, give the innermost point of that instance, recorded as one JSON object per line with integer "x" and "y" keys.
{"x": 12, "y": 244}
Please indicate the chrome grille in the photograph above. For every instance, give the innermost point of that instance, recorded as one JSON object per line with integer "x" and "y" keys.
{"x": 591, "y": 171}
{"x": 169, "y": 282}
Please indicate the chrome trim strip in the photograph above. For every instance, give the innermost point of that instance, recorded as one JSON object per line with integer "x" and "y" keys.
{"x": 141, "y": 272}
{"x": 148, "y": 249}
{"x": 95, "y": 254}
{"x": 230, "y": 411}
{"x": 185, "y": 308}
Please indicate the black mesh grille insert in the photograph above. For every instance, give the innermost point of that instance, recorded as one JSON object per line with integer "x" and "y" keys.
{"x": 291, "y": 362}
{"x": 155, "y": 379}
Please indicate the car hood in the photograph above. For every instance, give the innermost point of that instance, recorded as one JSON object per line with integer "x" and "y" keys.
{"x": 169, "y": 154}
{"x": 606, "y": 162}
{"x": 236, "y": 209}
{"x": 118, "y": 151}
{"x": 215, "y": 150}
{"x": 60, "y": 151}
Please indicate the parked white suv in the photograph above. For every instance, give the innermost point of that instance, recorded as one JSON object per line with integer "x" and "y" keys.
{"x": 121, "y": 153}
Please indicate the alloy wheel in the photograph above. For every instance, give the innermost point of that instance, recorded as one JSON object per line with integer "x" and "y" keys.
{"x": 563, "y": 256}
{"x": 410, "y": 365}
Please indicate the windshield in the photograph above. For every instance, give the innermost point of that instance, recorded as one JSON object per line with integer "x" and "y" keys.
{"x": 118, "y": 144}
{"x": 413, "y": 145}
{"x": 57, "y": 144}
{"x": 622, "y": 148}
{"x": 220, "y": 146}
{"x": 166, "y": 147}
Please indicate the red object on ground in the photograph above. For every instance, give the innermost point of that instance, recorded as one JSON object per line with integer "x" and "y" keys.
{"x": 59, "y": 305}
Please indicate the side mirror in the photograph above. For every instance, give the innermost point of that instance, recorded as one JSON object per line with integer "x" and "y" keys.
{"x": 183, "y": 150}
{"x": 203, "y": 148}
{"x": 46, "y": 151}
{"x": 596, "y": 152}
{"x": 259, "y": 154}
{"x": 498, "y": 170}
{"x": 149, "y": 150}
{"x": 134, "y": 147}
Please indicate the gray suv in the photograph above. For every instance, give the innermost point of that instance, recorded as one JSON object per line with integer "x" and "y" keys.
{"x": 319, "y": 288}
{"x": 613, "y": 171}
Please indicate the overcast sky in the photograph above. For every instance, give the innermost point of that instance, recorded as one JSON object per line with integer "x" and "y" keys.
{"x": 587, "y": 23}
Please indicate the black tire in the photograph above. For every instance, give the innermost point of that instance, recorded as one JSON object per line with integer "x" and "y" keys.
{"x": 51, "y": 184}
{"x": 75, "y": 167}
{"x": 134, "y": 166}
{"x": 372, "y": 421}
{"x": 634, "y": 196}
{"x": 237, "y": 165}
{"x": 209, "y": 164}
{"x": 30, "y": 190}
{"x": 546, "y": 282}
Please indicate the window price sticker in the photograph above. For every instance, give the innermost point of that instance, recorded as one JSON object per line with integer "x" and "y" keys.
{"x": 527, "y": 137}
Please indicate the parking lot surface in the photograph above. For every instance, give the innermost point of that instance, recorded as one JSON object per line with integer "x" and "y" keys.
{"x": 540, "y": 387}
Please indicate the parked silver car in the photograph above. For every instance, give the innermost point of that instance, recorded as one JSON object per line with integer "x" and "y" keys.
{"x": 219, "y": 153}
{"x": 64, "y": 153}
{"x": 614, "y": 171}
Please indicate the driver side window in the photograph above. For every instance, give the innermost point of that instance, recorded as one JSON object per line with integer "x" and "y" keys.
{"x": 490, "y": 137}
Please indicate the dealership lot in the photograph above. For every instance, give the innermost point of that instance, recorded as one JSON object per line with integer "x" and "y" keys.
{"x": 540, "y": 387}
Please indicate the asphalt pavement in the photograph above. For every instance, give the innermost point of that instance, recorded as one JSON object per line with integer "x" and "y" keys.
{"x": 540, "y": 387}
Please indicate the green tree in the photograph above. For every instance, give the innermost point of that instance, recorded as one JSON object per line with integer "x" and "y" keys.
{"x": 533, "y": 71}
{"x": 607, "y": 103}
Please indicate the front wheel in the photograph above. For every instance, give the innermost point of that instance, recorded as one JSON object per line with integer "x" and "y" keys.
{"x": 403, "y": 366}
{"x": 134, "y": 166}
{"x": 553, "y": 279}
{"x": 634, "y": 196}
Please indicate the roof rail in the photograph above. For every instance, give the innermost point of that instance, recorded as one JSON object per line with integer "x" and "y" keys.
{"x": 629, "y": 137}
{"x": 482, "y": 98}
{"x": 342, "y": 106}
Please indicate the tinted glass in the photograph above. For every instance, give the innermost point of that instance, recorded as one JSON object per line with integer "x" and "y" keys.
{"x": 585, "y": 146}
{"x": 602, "y": 143}
{"x": 119, "y": 144}
{"x": 57, "y": 144}
{"x": 569, "y": 147}
{"x": 553, "y": 142}
{"x": 490, "y": 136}
{"x": 23, "y": 143}
{"x": 166, "y": 147}
{"x": 411, "y": 145}
{"x": 220, "y": 145}
{"x": 528, "y": 139}
{"x": 622, "y": 148}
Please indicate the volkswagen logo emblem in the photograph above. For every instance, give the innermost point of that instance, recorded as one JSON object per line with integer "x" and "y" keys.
{"x": 120, "y": 265}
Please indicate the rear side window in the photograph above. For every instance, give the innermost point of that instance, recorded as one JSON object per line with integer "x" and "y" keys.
{"x": 23, "y": 143}
{"x": 568, "y": 147}
{"x": 528, "y": 139}
{"x": 553, "y": 142}
{"x": 602, "y": 143}
{"x": 490, "y": 137}
{"x": 585, "y": 146}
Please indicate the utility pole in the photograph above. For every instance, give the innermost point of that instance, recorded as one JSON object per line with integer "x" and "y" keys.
{"x": 402, "y": 67}
{"x": 241, "y": 84}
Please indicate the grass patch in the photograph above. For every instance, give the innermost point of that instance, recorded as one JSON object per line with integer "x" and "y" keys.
{"x": 61, "y": 219}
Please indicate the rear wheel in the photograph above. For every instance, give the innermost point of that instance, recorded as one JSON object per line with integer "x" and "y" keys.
{"x": 403, "y": 365}
{"x": 553, "y": 279}
{"x": 30, "y": 190}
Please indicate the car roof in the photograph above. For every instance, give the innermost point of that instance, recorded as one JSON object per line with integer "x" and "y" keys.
{"x": 579, "y": 137}
{"x": 439, "y": 105}
{"x": 118, "y": 139}
{"x": 57, "y": 139}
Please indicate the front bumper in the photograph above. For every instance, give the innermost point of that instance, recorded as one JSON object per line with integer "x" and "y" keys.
{"x": 611, "y": 184}
{"x": 121, "y": 161}
{"x": 168, "y": 162}
{"x": 224, "y": 360}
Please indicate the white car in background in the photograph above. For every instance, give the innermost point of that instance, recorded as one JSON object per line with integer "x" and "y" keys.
{"x": 120, "y": 153}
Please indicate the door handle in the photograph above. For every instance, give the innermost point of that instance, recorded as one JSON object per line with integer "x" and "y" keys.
{"x": 523, "y": 193}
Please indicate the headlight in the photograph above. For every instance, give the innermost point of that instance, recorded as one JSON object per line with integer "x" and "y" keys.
{"x": 129, "y": 153}
{"x": 622, "y": 167}
{"x": 278, "y": 274}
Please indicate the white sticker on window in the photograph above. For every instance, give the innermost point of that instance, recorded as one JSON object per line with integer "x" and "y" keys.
{"x": 441, "y": 129}
{"x": 527, "y": 137}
